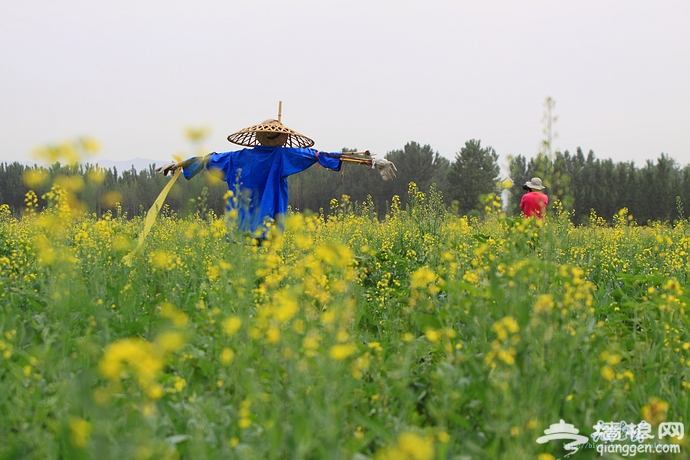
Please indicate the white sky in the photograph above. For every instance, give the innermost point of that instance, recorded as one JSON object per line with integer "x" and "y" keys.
{"x": 366, "y": 74}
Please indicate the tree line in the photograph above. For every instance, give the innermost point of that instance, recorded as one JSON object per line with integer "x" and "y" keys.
{"x": 582, "y": 183}
{"x": 100, "y": 190}
{"x": 656, "y": 191}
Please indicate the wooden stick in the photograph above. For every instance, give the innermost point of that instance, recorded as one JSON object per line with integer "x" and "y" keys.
{"x": 280, "y": 110}
{"x": 355, "y": 160}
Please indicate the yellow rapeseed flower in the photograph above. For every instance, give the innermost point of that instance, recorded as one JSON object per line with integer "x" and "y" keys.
{"x": 342, "y": 336}
{"x": 510, "y": 324}
{"x": 359, "y": 365}
{"x": 544, "y": 303}
{"x": 507, "y": 356}
{"x": 376, "y": 346}
{"x": 90, "y": 145}
{"x": 311, "y": 341}
{"x": 421, "y": 278}
{"x": 610, "y": 358}
{"x": 154, "y": 391}
{"x": 226, "y": 356}
{"x": 80, "y": 432}
{"x": 410, "y": 446}
{"x": 142, "y": 360}
{"x": 118, "y": 354}
{"x": 162, "y": 259}
{"x": 342, "y": 351}
{"x": 285, "y": 306}
{"x": 608, "y": 373}
{"x": 432, "y": 335}
{"x": 655, "y": 410}
{"x": 96, "y": 175}
{"x": 231, "y": 325}
{"x": 169, "y": 341}
{"x": 273, "y": 335}
{"x": 169, "y": 311}
{"x": 179, "y": 383}
{"x": 34, "y": 177}
{"x": 111, "y": 198}
{"x": 545, "y": 457}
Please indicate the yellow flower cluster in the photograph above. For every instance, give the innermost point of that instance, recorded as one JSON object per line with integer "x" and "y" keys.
{"x": 503, "y": 348}
{"x": 244, "y": 413}
{"x": 409, "y": 446}
{"x": 80, "y": 431}
{"x": 655, "y": 411}
{"x": 69, "y": 152}
{"x": 608, "y": 370}
{"x": 141, "y": 360}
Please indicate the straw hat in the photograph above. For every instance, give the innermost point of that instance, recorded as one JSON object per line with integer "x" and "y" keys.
{"x": 270, "y": 133}
{"x": 535, "y": 184}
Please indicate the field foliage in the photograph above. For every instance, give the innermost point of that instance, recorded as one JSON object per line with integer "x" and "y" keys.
{"x": 421, "y": 336}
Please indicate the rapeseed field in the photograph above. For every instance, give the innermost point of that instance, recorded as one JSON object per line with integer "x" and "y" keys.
{"x": 420, "y": 336}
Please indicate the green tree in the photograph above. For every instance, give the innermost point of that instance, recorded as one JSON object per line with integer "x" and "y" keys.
{"x": 418, "y": 164}
{"x": 473, "y": 173}
{"x": 314, "y": 188}
{"x": 517, "y": 168}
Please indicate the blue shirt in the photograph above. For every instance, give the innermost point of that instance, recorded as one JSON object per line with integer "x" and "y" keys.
{"x": 257, "y": 177}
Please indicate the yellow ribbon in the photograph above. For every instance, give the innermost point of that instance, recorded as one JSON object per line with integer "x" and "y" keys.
{"x": 153, "y": 214}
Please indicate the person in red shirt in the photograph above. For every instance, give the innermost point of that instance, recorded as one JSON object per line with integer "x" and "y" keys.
{"x": 534, "y": 202}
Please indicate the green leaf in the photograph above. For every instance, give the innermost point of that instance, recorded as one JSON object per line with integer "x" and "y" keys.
{"x": 480, "y": 237}
{"x": 425, "y": 321}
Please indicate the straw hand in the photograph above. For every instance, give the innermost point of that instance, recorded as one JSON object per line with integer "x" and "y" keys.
{"x": 169, "y": 168}
{"x": 385, "y": 167}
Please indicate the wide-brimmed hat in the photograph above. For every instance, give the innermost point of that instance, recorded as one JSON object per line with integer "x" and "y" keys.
{"x": 535, "y": 184}
{"x": 272, "y": 133}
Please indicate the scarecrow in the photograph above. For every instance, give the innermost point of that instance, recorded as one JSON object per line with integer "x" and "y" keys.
{"x": 257, "y": 175}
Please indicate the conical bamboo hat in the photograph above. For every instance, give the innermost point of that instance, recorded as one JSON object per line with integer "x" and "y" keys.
{"x": 261, "y": 134}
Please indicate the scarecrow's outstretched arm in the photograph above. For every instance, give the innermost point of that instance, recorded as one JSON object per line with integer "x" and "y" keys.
{"x": 383, "y": 166}
{"x": 168, "y": 168}
{"x": 191, "y": 166}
